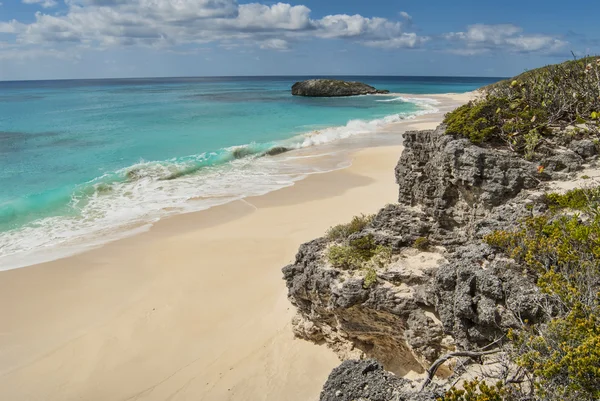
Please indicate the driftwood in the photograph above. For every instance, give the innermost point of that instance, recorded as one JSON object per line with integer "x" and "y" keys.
{"x": 440, "y": 361}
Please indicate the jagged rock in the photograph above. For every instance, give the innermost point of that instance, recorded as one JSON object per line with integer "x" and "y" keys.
{"x": 453, "y": 193}
{"x": 368, "y": 381}
{"x": 478, "y": 305}
{"x": 332, "y": 88}
{"x": 584, "y": 148}
{"x": 455, "y": 182}
{"x": 566, "y": 162}
{"x": 463, "y": 295}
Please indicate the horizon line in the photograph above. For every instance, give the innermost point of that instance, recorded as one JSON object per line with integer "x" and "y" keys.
{"x": 249, "y": 76}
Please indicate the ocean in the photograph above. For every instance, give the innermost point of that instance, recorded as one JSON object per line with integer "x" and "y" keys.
{"x": 86, "y": 161}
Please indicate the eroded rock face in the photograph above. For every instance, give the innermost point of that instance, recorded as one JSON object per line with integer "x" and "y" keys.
{"x": 367, "y": 380}
{"x": 461, "y": 294}
{"x": 332, "y": 88}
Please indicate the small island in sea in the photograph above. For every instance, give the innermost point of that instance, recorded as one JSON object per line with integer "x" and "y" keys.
{"x": 333, "y": 88}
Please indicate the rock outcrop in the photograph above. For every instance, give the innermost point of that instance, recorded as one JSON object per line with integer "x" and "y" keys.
{"x": 460, "y": 294}
{"x": 332, "y": 88}
{"x": 367, "y": 380}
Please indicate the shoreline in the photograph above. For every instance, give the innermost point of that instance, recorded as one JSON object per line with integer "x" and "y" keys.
{"x": 427, "y": 119}
{"x": 194, "y": 308}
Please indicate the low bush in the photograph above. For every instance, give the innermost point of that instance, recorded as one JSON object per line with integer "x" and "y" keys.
{"x": 422, "y": 244}
{"x": 563, "y": 251}
{"x": 359, "y": 253}
{"x": 521, "y": 113}
{"x": 577, "y": 199}
{"x": 344, "y": 257}
{"x": 476, "y": 390}
{"x": 341, "y": 232}
{"x": 370, "y": 278}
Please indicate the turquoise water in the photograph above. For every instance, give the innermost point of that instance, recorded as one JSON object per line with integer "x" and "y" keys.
{"x": 81, "y": 158}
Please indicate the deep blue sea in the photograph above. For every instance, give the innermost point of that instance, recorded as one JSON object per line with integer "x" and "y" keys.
{"x": 82, "y": 159}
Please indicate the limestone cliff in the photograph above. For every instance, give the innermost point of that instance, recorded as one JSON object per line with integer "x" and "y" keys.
{"x": 459, "y": 294}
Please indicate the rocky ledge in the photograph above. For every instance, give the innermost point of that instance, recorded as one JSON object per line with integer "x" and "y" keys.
{"x": 459, "y": 294}
{"x": 332, "y": 88}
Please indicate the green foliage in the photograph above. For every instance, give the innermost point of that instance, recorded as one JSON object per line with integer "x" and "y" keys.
{"x": 476, "y": 391}
{"x": 364, "y": 246}
{"x": 381, "y": 257}
{"x": 564, "y": 253}
{"x": 344, "y": 257}
{"x": 477, "y": 120}
{"x": 357, "y": 252}
{"x": 370, "y": 278}
{"x": 360, "y": 253}
{"x": 422, "y": 244}
{"x": 522, "y": 112}
{"x": 577, "y": 199}
{"x": 341, "y": 232}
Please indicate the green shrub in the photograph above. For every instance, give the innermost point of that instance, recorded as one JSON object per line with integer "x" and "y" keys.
{"x": 422, "y": 244}
{"x": 577, "y": 199}
{"x": 564, "y": 253}
{"x": 477, "y": 120}
{"x": 370, "y": 278}
{"x": 341, "y": 232}
{"x": 359, "y": 253}
{"x": 364, "y": 246}
{"x": 381, "y": 257}
{"x": 344, "y": 257}
{"x": 476, "y": 391}
{"x": 522, "y": 112}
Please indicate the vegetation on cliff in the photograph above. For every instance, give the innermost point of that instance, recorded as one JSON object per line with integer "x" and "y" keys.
{"x": 362, "y": 253}
{"x": 554, "y": 103}
{"x": 562, "y": 249}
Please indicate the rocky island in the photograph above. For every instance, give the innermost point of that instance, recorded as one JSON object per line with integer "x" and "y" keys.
{"x": 483, "y": 276}
{"x": 333, "y": 88}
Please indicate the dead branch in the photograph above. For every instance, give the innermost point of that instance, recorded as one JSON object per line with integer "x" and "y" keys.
{"x": 440, "y": 361}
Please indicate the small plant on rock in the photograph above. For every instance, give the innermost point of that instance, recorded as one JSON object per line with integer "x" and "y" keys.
{"x": 341, "y": 232}
{"x": 370, "y": 278}
{"x": 422, "y": 244}
{"x": 476, "y": 390}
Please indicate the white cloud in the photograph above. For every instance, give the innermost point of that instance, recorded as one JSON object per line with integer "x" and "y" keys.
{"x": 12, "y": 26}
{"x": 275, "y": 44}
{"x": 481, "y": 38}
{"x": 406, "y": 16}
{"x": 406, "y": 40}
{"x": 43, "y": 3}
{"x": 172, "y": 23}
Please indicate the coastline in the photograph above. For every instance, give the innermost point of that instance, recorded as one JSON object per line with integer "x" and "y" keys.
{"x": 327, "y": 149}
{"x": 195, "y": 307}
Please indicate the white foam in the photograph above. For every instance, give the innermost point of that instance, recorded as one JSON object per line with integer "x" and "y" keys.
{"x": 124, "y": 208}
{"x": 362, "y": 127}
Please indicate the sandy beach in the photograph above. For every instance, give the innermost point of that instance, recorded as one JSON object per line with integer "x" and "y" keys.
{"x": 194, "y": 309}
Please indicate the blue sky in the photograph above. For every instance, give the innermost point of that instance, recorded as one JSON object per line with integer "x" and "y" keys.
{"x": 61, "y": 39}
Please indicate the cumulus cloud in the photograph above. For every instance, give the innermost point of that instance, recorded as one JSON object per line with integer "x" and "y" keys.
{"x": 171, "y": 23}
{"x": 481, "y": 38}
{"x": 43, "y": 3}
{"x": 182, "y": 24}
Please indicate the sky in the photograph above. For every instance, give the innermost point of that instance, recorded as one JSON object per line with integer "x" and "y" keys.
{"x": 71, "y": 39}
